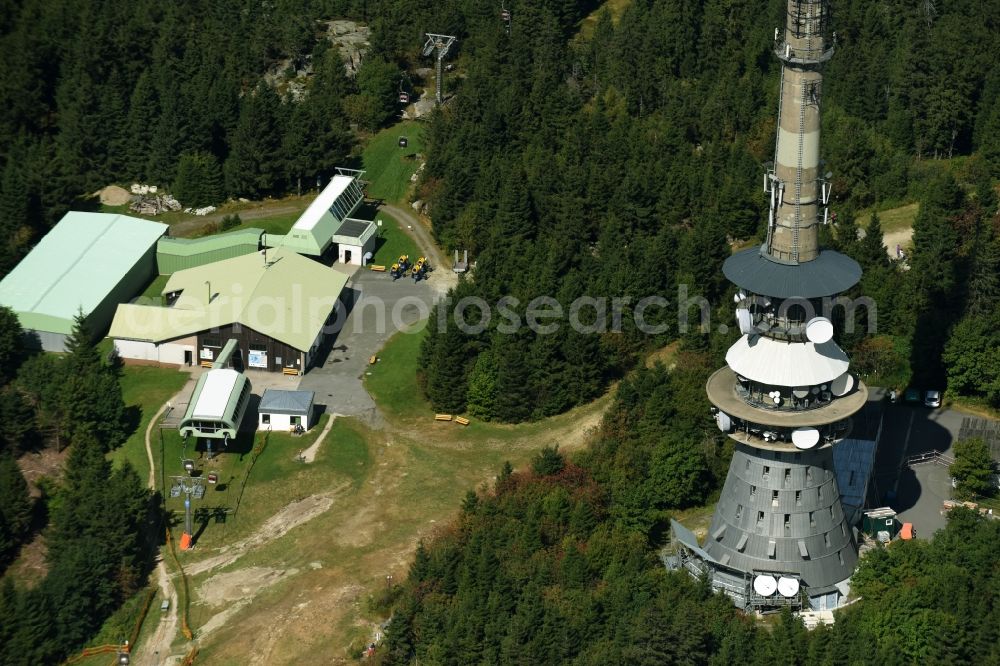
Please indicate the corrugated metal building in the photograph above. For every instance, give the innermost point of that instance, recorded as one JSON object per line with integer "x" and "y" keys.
{"x": 312, "y": 233}
{"x": 177, "y": 254}
{"x": 277, "y": 311}
{"x": 88, "y": 262}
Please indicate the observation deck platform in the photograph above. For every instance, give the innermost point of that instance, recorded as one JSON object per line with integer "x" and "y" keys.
{"x": 721, "y": 388}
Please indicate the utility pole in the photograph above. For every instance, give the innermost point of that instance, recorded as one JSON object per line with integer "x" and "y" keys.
{"x": 439, "y": 44}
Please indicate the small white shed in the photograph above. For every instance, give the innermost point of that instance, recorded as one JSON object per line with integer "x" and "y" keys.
{"x": 284, "y": 410}
{"x": 355, "y": 240}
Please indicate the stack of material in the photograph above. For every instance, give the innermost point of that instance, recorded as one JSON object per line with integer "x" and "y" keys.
{"x": 153, "y": 205}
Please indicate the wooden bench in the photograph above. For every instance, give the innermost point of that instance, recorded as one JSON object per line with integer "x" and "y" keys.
{"x": 442, "y": 417}
{"x": 377, "y": 267}
{"x": 290, "y": 371}
{"x": 461, "y": 420}
{"x": 372, "y": 359}
{"x": 206, "y": 364}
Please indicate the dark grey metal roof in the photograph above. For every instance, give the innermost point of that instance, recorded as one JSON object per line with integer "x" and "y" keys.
{"x": 788, "y": 507}
{"x": 828, "y": 274}
{"x": 275, "y": 401}
{"x": 352, "y": 228}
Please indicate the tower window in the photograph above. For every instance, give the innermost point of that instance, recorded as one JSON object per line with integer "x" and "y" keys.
{"x": 774, "y": 497}
{"x": 748, "y": 464}
{"x": 831, "y": 512}
{"x": 819, "y": 492}
{"x": 753, "y": 491}
{"x": 788, "y": 522}
{"x": 767, "y": 470}
{"x": 760, "y": 518}
{"x": 826, "y": 539}
{"x": 812, "y": 519}
{"x": 798, "y": 498}
{"x": 809, "y": 474}
{"x": 739, "y": 511}
{"x": 840, "y": 557}
{"x": 788, "y": 476}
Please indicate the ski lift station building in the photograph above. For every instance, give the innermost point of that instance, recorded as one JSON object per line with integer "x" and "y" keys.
{"x": 217, "y": 405}
{"x": 276, "y": 304}
{"x": 89, "y": 263}
{"x": 312, "y": 234}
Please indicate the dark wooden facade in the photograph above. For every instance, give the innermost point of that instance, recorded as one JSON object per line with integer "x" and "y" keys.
{"x": 254, "y": 347}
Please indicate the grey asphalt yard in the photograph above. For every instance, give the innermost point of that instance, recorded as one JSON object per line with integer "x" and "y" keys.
{"x": 379, "y": 309}
{"x": 917, "y": 492}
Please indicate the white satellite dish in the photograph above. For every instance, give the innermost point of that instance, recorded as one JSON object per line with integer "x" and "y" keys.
{"x": 723, "y": 421}
{"x": 788, "y": 587}
{"x": 801, "y": 392}
{"x": 842, "y": 385}
{"x": 737, "y": 297}
{"x": 819, "y": 330}
{"x": 745, "y": 320}
{"x": 765, "y": 586}
{"x": 805, "y": 438}
{"x": 814, "y": 390}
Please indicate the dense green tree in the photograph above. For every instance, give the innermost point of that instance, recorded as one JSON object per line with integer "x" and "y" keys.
{"x": 973, "y": 469}
{"x": 199, "y": 180}
{"x": 254, "y": 167}
{"x": 11, "y": 343}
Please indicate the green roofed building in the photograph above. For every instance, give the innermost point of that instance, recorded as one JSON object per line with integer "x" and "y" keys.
{"x": 312, "y": 233}
{"x": 217, "y": 406}
{"x": 177, "y": 254}
{"x": 88, "y": 262}
{"x": 277, "y": 311}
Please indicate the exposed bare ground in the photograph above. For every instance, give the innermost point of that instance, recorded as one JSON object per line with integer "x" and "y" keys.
{"x": 275, "y": 527}
{"x": 902, "y": 237}
{"x": 317, "y": 613}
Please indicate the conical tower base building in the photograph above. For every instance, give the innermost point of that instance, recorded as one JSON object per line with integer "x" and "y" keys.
{"x": 779, "y": 536}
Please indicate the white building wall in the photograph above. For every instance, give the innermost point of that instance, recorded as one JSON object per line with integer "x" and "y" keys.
{"x": 357, "y": 253}
{"x": 168, "y": 352}
{"x": 280, "y": 422}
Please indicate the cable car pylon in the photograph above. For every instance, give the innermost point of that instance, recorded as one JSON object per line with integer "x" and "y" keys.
{"x": 439, "y": 45}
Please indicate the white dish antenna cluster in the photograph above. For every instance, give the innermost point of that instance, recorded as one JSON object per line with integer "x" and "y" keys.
{"x": 723, "y": 421}
{"x": 775, "y": 397}
{"x": 819, "y": 330}
{"x": 745, "y": 320}
{"x": 765, "y": 585}
{"x": 842, "y": 385}
{"x": 788, "y": 587}
{"x": 805, "y": 438}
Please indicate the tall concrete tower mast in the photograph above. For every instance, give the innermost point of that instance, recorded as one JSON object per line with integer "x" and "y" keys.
{"x": 779, "y": 536}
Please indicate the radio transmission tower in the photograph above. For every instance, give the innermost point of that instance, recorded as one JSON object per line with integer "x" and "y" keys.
{"x": 438, "y": 44}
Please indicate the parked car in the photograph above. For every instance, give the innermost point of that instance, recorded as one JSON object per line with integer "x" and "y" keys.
{"x": 911, "y": 395}
{"x": 932, "y": 399}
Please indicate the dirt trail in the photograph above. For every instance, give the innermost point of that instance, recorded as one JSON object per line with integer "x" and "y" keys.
{"x": 309, "y": 455}
{"x": 442, "y": 276}
{"x": 159, "y": 643}
{"x": 903, "y": 238}
{"x": 275, "y": 527}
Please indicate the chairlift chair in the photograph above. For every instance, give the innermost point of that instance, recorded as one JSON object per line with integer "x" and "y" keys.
{"x": 213, "y": 477}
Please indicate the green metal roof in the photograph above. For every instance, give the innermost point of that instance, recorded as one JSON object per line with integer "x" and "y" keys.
{"x": 75, "y": 266}
{"x": 312, "y": 232}
{"x": 190, "y": 246}
{"x": 288, "y": 299}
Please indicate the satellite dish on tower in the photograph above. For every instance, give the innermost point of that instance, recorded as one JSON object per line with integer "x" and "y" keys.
{"x": 745, "y": 320}
{"x": 842, "y": 385}
{"x": 801, "y": 392}
{"x": 765, "y": 586}
{"x": 788, "y": 587}
{"x": 723, "y": 421}
{"x": 819, "y": 330}
{"x": 805, "y": 438}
